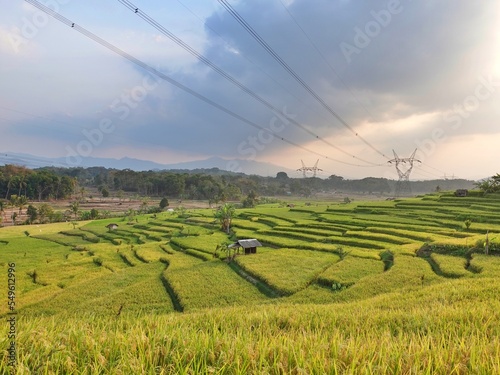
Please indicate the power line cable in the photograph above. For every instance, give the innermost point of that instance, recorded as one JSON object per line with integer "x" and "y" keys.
{"x": 229, "y": 46}
{"x": 7, "y": 158}
{"x": 115, "y": 136}
{"x": 423, "y": 169}
{"x": 424, "y": 173}
{"x": 246, "y": 57}
{"x": 273, "y": 53}
{"x": 32, "y": 115}
{"x": 164, "y": 77}
{"x": 132, "y": 7}
{"x": 332, "y": 68}
{"x": 437, "y": 170}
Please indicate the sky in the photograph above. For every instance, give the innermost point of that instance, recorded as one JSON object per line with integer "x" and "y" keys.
{"x": 357, "y": 80}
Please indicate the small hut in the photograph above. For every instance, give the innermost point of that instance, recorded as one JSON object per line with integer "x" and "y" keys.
{"x": 461, "y": 192}
{"x": 111, "y": 227}
{"x": 249, "y": 245}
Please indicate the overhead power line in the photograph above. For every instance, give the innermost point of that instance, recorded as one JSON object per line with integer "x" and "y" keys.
{"x": 157, "y": 141}
{"x": 320, "y": 53}
{"x": 428, "y": 166}
{"x": 275, "y": 55}
{"x": 175, "y": 83}
{"x": 133, "y": 8}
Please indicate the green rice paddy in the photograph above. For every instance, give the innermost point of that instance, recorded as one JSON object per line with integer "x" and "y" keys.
{"x": 392, "y": 287}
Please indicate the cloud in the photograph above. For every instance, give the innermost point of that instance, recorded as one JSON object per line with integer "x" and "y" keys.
{"x": 414, "y": 65}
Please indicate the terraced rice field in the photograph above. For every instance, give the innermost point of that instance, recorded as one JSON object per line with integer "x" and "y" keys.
{"x": 333, "y": 247}
{"x": 325, "y": 254}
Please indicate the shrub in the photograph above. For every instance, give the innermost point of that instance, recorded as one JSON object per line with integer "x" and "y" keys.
{"x": 164, "y": 203}
{"x": 97, "y": 261}
{"x": 153, "y": 210}
{"x": 388, "y": 259}
{"x": 86, "y": 215}
{"x": 468, "y": 223}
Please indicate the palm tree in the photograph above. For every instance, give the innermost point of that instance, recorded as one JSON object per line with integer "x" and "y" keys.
{"x": 225, "y": 214}
{"x": 22, "y": 184}
{"x": 9, "y": 185}
{"x": 490, "y": 185}
{"x": 21, "y": 202}
{"x": 12, "y": 202}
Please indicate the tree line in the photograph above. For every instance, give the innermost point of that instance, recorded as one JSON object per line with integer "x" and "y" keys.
{"x": 210, "y": 184}
{"x": 40, "y": 184}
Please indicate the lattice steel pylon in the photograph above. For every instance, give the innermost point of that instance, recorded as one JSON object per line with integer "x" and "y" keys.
{"x": 403, "y": 185}
{"x": 305, "y": 169}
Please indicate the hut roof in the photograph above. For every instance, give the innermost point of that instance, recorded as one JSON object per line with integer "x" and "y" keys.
{"x": 246, "y": 243}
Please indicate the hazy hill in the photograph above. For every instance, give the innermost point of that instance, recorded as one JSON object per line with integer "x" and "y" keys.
{"x": 233, "y": 165}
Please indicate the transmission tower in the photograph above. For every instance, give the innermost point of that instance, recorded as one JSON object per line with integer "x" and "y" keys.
{"x": 404, "y": 167}
{"x": 305, "y": 169}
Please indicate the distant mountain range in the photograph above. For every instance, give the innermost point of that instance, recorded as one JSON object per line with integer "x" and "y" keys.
{"x": 248, "y": 167}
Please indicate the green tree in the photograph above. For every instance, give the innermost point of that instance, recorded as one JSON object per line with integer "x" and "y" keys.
{"x": 21, "y": 202}
{"x": 232, "y": 192}
{"x": 43, "y": 182}
{"x": 2, "y": 208}
{"x": 32, "y": 213}
{"x": 13, "y": 200}
{"x": 144, "y": 205}
{"x": 225, "y": 215}
{"x": 224, "y": 247}
{"x": 490, "y": 185}
{"x": 181, "y": 211}
{"x": 105, "y": 193}
{"x": 22, "y": 184}
{"x": 82, "y": 191}
{"x": 130, "y": 214}
{"x": 9, "y": 185}
{"x": 164, "y": 203}
{"x": 120, "y": 194}
{"x": 250, "y": 200}
{"x": 496, "y": 178}
{"x": 45, "y": 212}
{"x": 75, "y": 207}
{"x": 468, "y": 223}
{"x": 281, "y": 176}
{"x": 94, "y": 214}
